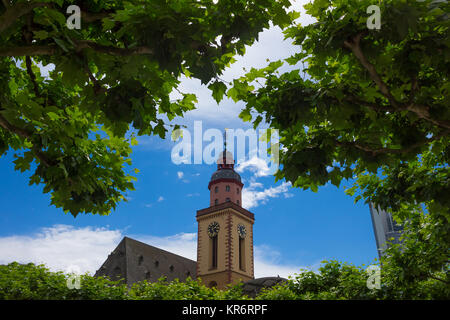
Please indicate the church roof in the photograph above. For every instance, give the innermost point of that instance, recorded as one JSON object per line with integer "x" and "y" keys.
{"x": 135, "y": 261}
{"x": 225, "y": 174}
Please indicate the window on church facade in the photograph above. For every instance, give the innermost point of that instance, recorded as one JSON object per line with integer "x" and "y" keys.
{"x": 213, "y": 262}
{"x": 216, "y": 189}
{"x": 216, "y": 202}
{"x": 237, "y": 201}
{"x": 237, "y": 190}
{"x": 228, "y": 200}
{"x": 241, "y": 254}
{"x": 227, "y": 188}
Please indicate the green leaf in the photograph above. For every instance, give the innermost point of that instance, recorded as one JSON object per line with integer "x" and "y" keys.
{"x": 218, "y": 89}
{"x": 245, "y": 115}
{"x": 41, "y": 34}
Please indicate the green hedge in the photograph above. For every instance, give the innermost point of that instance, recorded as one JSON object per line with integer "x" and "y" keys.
{"x": 30, "y": 281}
{"x": 333, "y": 280}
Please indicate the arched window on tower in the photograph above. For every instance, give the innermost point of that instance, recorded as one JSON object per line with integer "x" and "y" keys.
{"x": 228, "y": 199}
{"x": 237, "y": 201}
{"x": 227, "y": 188}
{"x": 216, "y": 189}
{"x": 216, "y": 202}
{"x": 237, "y": 190}
{"x": 213, "y": 244}
{"x": 241, "y": 254}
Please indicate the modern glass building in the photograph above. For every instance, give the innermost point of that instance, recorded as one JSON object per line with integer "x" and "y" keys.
{"x": 384, "y": 228}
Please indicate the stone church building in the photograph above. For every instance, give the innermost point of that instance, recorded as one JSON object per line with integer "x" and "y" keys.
{"x": 224, "y": 243}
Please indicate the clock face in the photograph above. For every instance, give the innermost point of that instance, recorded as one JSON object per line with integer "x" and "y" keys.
{"x": 213, "y": 229}
{"x": 241, "y": 230}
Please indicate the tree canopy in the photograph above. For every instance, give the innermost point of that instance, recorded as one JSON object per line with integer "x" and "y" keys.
{"x": 114, "y": 74}
{"x": 368, "y": 105}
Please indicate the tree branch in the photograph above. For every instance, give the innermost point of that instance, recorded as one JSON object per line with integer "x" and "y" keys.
{"x": 80, "y": 45}
{"x": 115, "y": 51}
{"x": 354, "y": 46}
{"x": 98, "y": 88}
{"x": 375, "y": 152}
{"x": 421, "y": 111}
{"x": 32, "y": 75}
{"x": 28, "y": 51}
{"x": 377, "y": 107}
{"x": 13, "y": 129}
{"x": 439, "y": 279}
{"x": 15, "y": 12}
{"x": 24, "y": 134}
{"x": 91, "y": 17}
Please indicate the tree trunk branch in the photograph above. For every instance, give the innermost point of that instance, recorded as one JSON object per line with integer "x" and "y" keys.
{"x": 421, "y": 111}
{"x": 378, "y": 151}
{"x": 32, "y": 75}
{"x": 439, "y": 279}
{"x": 91, "y": 17}
{"x": 115, "y": 51}
{"x": 28, "y": 51}
{"x": 15, "y": 12}
{"x": 80, "y": 45}
{"x": 24, "y": 134}
{"x": 354, "y": 46}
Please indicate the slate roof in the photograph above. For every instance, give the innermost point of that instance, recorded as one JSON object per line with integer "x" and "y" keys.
{"x": 135, "y": 261}
{"x": 225, "y": 174}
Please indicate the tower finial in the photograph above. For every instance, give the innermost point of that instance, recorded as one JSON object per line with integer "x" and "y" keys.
{"x": 224, "y": 154}
{"x": 225, "y": 139}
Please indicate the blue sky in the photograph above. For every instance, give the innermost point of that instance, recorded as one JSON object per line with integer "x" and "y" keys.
{"x": 293, "y": 228}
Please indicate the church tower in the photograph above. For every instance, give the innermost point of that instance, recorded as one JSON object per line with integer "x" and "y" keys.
{"x": 225, "y": 230}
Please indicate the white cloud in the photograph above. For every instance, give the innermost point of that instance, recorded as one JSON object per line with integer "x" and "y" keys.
{"x": 251, "y": 197}
{"x": 267, "y": 263}
{"x": 254, "y": 185}
{"x": 61, "y": 246}
{"x": 270, "y": 45}
{"x": 161, "y": 198}
{"x": 180, "y": 174}
{"x": 256, "y": 165}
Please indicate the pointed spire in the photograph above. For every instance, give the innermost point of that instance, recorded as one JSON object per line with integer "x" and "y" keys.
{"x": 225, "y": 146}
{"x": 225, "y": 160}
{"x": 225, "y": 139}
